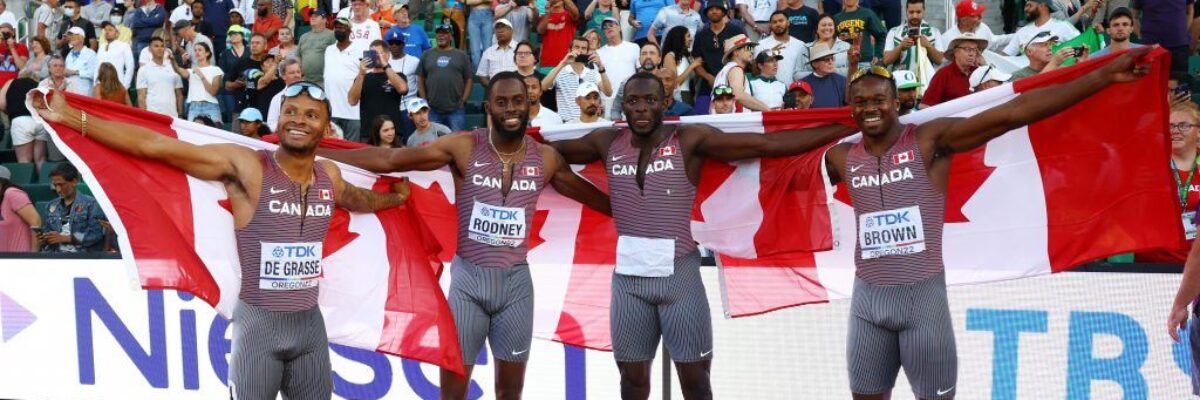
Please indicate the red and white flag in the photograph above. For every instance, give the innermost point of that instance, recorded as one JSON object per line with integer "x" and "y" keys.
{"x": 379, "y": 290}
{"x": 1087, "y": 183}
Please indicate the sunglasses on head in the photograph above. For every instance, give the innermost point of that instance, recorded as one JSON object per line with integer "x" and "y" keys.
{"x": 315, "y": 91}
{"x": 873, "y": 70}
{"x": 722, "y": 90}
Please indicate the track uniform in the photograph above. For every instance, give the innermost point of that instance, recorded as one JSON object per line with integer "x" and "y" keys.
{"x": 899, "y": 314}
{"x": 656, "y": 289}
{"x": 279, "y": 340}
{"x": 491, "y": 293}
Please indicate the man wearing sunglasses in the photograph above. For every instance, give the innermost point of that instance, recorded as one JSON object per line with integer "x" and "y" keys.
{"x": 951, "y": 81}
{"x": 282, "y": 202}
{"x": 653, "y": 170}
{"x": 897, "y": 177}
{"x": 498, "y": 175}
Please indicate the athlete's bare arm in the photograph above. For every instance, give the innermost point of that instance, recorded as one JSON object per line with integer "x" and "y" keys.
{"x": 1189, "y": 288}
{"x": 236, "y": 166}
{"x": 587, "y": 149}
{"x": 573, "y": 186}
{"x": 358, "y": 199}
{"x": 383, "y": 160}
{"x": 951, "y": 135}
{"x": 709, "y": 142}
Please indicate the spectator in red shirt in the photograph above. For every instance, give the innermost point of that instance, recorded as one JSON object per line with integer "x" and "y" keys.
{"x": 952, "y": 81}
{"x": 13, "y": 54}
{"x": 557, "y": 28}
{"x": 1185, "y": 128}
{"x": 267, "y": 23}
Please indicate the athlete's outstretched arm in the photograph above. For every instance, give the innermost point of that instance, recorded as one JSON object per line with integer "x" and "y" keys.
{"x": 739, "y": 146}
{"x": 568, "y": 184}
{"x": 1189, "y": 288}
{"x": 962, "y": 134}
{"x": 208, "y": 162}
{"x": 584, "y": 150}
{"x": 384, "y": 160}
{"x": 354, "y": 198}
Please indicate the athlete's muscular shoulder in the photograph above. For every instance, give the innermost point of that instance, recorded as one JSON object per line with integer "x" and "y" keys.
{"x": 459, "y": 146}
{"x": 244, "y": 184}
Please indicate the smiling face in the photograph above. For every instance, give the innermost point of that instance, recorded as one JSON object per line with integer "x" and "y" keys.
{"x": 303, "y": 121}
{"x": 508, "y": 107}
{"x": 387, "y": 133}
{"x": 874, "y": 105}
{"x": 825, "y": 28}
{"x": 1184, "y": 129}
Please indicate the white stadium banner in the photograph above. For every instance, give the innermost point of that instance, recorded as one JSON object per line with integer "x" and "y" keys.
{"x": 74, "y": 329}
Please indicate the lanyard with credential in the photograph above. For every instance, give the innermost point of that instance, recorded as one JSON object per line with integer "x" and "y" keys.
{"x": 1184, "y": 186}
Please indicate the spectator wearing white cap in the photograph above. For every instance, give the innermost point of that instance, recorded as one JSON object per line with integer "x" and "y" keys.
{"x": 250, "y": 123}
{"x": 986, "y": 77}
{"x": 73, "y": 18}
{"x": 80, "y": 63}
{"x": 620, "y": 57}
{"x": 950, "y": 81}
{"x": 1042, "y": 58}
{"x": 425, "y": 131}
{"x": 907, "y": 90}
{"x": 587, "y": 97}
{"x": 1037, "y": 12}
{"x": 763, "y": 85}
{"x": 499, "y": 57}
{"x": 117, "y": 53}
{"x": 539, "y": 115}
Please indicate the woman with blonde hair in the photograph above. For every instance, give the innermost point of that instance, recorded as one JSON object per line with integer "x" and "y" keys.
{"x": 108, "y": 86}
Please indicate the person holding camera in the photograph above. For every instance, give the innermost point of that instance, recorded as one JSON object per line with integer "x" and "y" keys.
{"x": 1042, "y": 57}
{"x": 913, "y": 46}
{"x": 585, "y": 67}
{"x": 378, "y": 89}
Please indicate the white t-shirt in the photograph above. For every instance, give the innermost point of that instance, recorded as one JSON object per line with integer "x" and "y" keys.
{"x": 601, "y": 119}
{"x": 1057, "y": 27}
{"x": 7, "y": 17}
{"x": 341, "y": 67}
{"x": 546, "y": 117}
{"x": 407, "y": 66}
{"x": 791, "y": 52}
{"x": 120, "y": 55}
{"x": 620, "y": 63}
{"x": 770, "y": 93}
{"x": 762, "y": 9}
{"x": 160, "y": 82}
{"x": 144, "y": 57}
{"x": 362, "y": 34}
{"x": 196, "y": 90}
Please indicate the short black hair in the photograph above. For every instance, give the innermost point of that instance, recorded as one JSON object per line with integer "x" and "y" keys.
{"x": 891, "y": 84}
{"x": 646, "y": 75}
{"x": 105, "y": 24}
{"x": 65, "y": 171}
{"x": 912, "y": 2}
{"x": 780, "y": 12}
{"x": 504, "y": 76}
{"x": 527, "y": 44}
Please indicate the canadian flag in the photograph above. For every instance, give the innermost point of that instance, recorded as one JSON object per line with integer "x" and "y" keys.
{"x": 901, "y": 158}
{"x": 1084, "y": 184}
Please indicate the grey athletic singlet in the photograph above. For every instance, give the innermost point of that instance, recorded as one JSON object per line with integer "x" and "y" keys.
{"x": 664, "y": 208}
{"x": 898, "y": 212}
{"x": 280, "y": 250}
{"x": 493, "y": 230}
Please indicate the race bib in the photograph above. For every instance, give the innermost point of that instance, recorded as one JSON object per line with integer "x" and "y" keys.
{"x": 638, "y": 256}
{"x": 289, "y": 266}
{"x": 891, "y": 232}
{"x": 497, "y": 226}
{"x": 1189, "y": 228}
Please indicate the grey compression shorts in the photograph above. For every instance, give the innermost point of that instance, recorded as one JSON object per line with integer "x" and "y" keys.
{"x": 902, "y": 326}
{"x": 495, "y": 303}
{"x": 277, "y": 352}
{"x": 674, "y": 307}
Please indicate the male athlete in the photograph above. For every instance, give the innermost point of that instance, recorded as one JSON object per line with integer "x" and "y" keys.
{"x": 897, "y": 176}
{"x": 498, "y": 175}
{"x": 282, "y": 202}
{"x": 652, "y": 172}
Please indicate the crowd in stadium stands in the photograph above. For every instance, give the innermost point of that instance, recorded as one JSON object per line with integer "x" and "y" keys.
{"x": 405, "y": 72}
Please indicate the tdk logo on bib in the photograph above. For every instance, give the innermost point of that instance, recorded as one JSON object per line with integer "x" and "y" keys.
{"x": 289, "y": 266}
{"x": 891, "y": 232}
{"x": 497, "y": 226}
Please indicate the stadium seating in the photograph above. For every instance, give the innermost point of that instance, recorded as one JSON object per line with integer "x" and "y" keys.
{"x": 22, "y": 173}
{"x": 44, "y": 172}
{"x": 39, "y": 192}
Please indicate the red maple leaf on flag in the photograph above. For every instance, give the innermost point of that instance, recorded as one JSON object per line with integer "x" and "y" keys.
{"x": 968, "y": 172}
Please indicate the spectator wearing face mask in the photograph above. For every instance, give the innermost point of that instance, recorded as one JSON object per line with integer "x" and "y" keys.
{"x": 72, "y": 18}
{"x": 124, "y": 34}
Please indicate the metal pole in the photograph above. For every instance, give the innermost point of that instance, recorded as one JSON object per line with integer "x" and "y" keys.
{"x": 666, "y": 372}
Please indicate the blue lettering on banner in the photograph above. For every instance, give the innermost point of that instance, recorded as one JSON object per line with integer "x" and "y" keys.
{"x": 218, "y": 348}
{"x": 1124, "y": 369}
{"x": 152, "y": 363}
{"x": 187, "y": 333}
{"x": 1181, "y": 351}
{"x": 376, "y": 388}
{"x": 1006, "y": 327}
